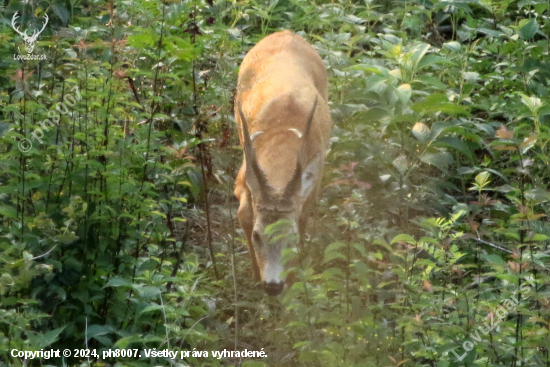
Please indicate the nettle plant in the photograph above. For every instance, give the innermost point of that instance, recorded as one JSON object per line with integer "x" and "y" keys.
{"x": 92, "y": 249}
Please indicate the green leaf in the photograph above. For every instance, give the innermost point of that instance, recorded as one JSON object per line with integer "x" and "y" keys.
{"x": 156, "y": 212}
{"x": 490, "y": 32}
{"x": 438, "y": 102}
{"x": 44, "y": 340}
{"x": 431, "y": 81}
{"x": 401, "y": 164}
{"x": 335, "y": 246}
{"x": 508, "y": 232}
{"x": 279, "y": 227}
{"x": 431, "y": 60}
{"x": 403, "y": 238}
{"x": 382, "y": 243}
{"x": 125, "y": 342}
{"x": 372, "y": 114}
{"x": 8, "y": 211}
{"x": 429, "y": 240}
{"x": 152, "y": 308}
{"x": 61, "y": 11}
{"x": 4, "y": 127}
{"x": 421, "y": 132}
{"x": 332, "y": 273}
{"x": 453, "y": 46}
{"x": 404, "y": 93}
{"x": 495, "y": 259}
{"x": 441, "y": 160}
{"x": 375, "y": 69}
{"x": 471, "y": 76}
{"x": 533, "y": 103}
{"x": 419, "y": 52}
{"x": 301, "y": 344}
{"x": 540, "y": 237}
{"x": 455, "y": 143}
{"x": 361, "y": 269}
{"x": 359, "y": 247}
{"x": 9, "y": 301}
{"x": 148, "y": 292}
{"x": 528, "y": 28}
{"x": 118, "y": 282}
{"x": 72, "y": 264}
{"x": 141, "y": 40}
{"x": 482, "y": 178}
{"x": 80, "y": 136}
{"x": 97, "y": 330}
{"x": 333, "y": 255}
{"x": 383, "y": 284}
{"x": 537, "y": 195}
{"x": 540, "y": 7}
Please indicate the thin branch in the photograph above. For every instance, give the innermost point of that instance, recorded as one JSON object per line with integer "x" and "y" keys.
{"x": 38, "y": 257}
{"x": 492, "y": 245}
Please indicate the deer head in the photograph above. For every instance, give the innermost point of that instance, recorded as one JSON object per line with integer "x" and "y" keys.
{"x": 282, "y": 208}
{"x": 29, "y": 40}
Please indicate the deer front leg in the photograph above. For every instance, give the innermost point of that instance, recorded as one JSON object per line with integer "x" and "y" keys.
{"x": 246, "y": 218}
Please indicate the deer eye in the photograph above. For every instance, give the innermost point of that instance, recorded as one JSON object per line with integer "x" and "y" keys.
{"x": 256, "y": 238}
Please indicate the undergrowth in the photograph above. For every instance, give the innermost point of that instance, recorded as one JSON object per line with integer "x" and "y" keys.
{"x": 429, "y": 243}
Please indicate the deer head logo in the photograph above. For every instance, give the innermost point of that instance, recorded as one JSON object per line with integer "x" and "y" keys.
{"x": 29, "y": 40}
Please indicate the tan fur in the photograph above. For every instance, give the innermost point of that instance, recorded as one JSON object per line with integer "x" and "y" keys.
{"x": 278, "y": 81}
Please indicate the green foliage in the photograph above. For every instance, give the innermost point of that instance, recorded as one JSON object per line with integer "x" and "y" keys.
{"x": 88, "y": 233}
{"x": 434, "y": 205}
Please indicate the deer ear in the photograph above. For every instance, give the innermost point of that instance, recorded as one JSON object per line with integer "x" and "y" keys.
{"x": 310, "y": 176}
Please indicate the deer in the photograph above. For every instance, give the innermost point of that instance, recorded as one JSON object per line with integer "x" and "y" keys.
{"x": 29, "y": 40}
{"x": 284, "y": 123}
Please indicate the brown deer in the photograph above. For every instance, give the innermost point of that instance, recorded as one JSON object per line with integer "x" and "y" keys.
{"x": 284, "y": 119}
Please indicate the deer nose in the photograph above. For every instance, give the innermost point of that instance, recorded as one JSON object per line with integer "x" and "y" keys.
{"x": 273, "y": 288}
